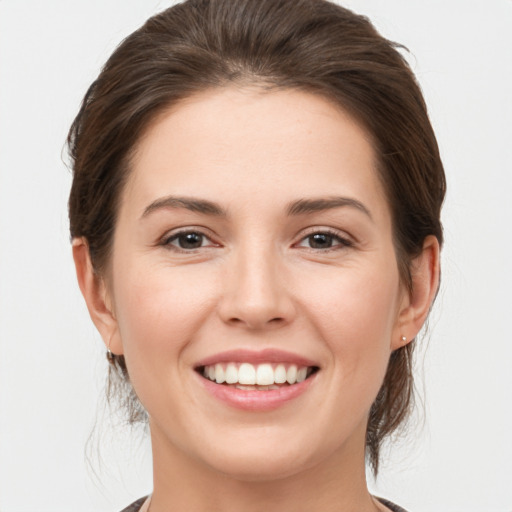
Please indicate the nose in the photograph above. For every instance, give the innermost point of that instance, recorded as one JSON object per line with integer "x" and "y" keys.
{"x": 255, "y": 295}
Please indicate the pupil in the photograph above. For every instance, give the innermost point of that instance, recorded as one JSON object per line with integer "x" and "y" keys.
{"x": 190, "y": 241}
{"x": 320, "y": 241}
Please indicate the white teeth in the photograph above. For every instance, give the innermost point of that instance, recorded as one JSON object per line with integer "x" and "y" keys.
{"x": 280, "y": 374}
{"x": 301, "y": 374}
{"x": 231, "y": 374}
{"x": 264, "y": 375}
{"x": 247, "y": 376}
{"x": 219, "y": 374}
{"x": 291, "y": 374}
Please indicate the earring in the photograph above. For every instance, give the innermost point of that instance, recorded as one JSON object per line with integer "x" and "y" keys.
{"x": 404, "y": 339}
{"x": 111, "y": 358}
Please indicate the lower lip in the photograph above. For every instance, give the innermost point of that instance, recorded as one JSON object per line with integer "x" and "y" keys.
{"x": 257, "y": 400}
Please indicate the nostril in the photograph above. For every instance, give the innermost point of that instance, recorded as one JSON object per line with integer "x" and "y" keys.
{"x": 276, "y": 322}
{"x": 254, "y": 305}
{"x": 256, "y": 323}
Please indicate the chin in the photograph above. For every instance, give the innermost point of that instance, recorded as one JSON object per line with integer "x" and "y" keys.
{"x": 260, "y": 468}
{"x": 253, "y": 461}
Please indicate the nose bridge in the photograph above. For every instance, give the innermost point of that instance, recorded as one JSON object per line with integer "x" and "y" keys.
{"x": 255, "y": 294}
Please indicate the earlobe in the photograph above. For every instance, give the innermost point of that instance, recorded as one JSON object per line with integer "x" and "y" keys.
{"x": 416, "y": 304}
{"x": 96, "y": 296}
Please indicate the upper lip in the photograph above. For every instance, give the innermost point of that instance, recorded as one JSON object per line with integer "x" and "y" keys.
{"x": 268, "y": 355}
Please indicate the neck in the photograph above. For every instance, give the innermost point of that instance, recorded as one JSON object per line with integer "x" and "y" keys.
{"x": 336, "y": 483}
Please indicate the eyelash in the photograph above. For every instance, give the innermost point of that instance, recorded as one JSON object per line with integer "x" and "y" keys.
{"x": 166, "y": 241}
{"x": 335, "y": 236}
{"x": 343, "y": 242}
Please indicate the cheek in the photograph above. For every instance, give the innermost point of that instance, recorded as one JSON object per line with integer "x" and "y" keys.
{"x": 355, "y": 311}
{"x": 356, "y": 320}
{"x": 354, "y": 300}
{"x": 159, "y": 310}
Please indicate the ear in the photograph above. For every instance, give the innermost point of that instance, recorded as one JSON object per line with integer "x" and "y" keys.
{"x": 96, "y": 296}
{"x": 415, "y": 305}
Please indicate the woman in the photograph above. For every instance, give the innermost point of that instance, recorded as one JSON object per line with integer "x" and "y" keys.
{"x": 255, "y": 222}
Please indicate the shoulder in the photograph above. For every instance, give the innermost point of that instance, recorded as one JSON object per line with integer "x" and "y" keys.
{"x": 391, "y": 506}
{"x": 135, "y": 506}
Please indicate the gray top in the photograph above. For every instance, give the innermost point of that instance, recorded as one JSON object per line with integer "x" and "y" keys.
{"x": 136, "y": 506}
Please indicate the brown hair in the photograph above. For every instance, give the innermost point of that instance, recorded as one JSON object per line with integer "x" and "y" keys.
{"x": 311, "y": 45}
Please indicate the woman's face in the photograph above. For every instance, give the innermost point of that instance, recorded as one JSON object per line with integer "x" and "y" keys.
{"x": 254, "y": 238}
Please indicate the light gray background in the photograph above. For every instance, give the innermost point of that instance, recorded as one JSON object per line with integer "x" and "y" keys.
{"x": 52, "y": 361}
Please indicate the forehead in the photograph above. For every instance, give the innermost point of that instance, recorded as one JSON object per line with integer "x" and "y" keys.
{"x": 245, "y": 144}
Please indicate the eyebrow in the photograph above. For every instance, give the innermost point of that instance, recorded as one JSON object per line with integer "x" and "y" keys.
{"x": 188, "y": 203}
{"x": 303, "y": 206}
{"x": 299, "y": 207}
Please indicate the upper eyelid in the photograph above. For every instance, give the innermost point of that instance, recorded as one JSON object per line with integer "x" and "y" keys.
{"x": 342, "y": 241}
{"x": 172, "y": 234}
{"x": 187, "y": 229}
{"x": 167, "y": 240}
{"x": 342, "y": 235}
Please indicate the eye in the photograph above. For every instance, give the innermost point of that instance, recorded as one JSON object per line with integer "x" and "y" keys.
{"x": 188, "y": 240}
{"x": 324, "y": 240}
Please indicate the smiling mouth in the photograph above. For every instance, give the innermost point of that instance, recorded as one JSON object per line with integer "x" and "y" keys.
{"x": 259, "y": 377}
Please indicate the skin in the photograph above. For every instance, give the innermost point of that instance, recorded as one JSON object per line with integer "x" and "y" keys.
{"x": 257, "y": 281}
